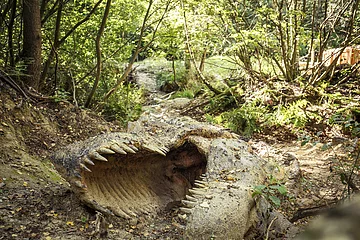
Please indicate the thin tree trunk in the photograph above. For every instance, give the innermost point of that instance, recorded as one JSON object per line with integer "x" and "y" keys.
{"x": 312, "y": 48}
{"x": 187, "y": 63}
{"x": 55, "y": 45}
{"x": 58, "y": 43}
{"x": 202, "y": 77}
{"x": 49, "y": 13}
{"x": 138, "y": 46}
{"x": 98, "y": 53}
{"x": 203, "y": 58}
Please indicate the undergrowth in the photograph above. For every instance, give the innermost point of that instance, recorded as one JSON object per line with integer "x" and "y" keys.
{"x": 261, "y": 110}
{"x": 273, "y": 190}
{"x": 125, "y": 105}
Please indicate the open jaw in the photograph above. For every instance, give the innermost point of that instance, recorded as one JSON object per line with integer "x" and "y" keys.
{"x": 144, "y": 182}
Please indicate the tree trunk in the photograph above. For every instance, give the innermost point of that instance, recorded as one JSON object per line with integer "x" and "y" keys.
{"x": 32, "y": 42}
{"x": 58, "y": 42}
{"x": 139, "y": 48}
{"x": 203, "y": 58}
{"x": 173, "y": 68}
{"x": 98, "y": 54}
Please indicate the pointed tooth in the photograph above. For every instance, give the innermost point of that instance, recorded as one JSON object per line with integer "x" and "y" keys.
{"x": 164, "y": 149}
{"x": 201, "y": 182}
{"x": 133, "y": 148}
{"x": 82, "y": 166}
{"x": 79, "y": 184}
{"x": 199, "y": 185}
{"x": 126, "y": 147}
{"x": 203, "y": 176}
{"x": 120, "y": 212}
{"x": 88, "y": 161}
{"x": 185, "y": 210}
{"x": 160, "y": 152}
{"x": 129, "y": 212}
{"x": 153, "y": 149}
{"x": 118, "y": 149}
{"x": 196, "y": 191}
{"x": 105, "y": 150}
{"x": 188, "y": 204}
{"x": 78, "y": 175}
{"x": 96, "y": 156}
{"x": 191, "y": 198}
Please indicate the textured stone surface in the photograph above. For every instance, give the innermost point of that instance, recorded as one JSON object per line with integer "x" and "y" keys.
{"x": 163, "y": 161}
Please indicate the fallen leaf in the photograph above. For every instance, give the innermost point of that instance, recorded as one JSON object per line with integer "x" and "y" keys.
{"x": 230, "y": 178}
{"x": 70, "y": 223}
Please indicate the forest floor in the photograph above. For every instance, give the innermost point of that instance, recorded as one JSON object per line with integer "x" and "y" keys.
{"x": 36, "y": 203}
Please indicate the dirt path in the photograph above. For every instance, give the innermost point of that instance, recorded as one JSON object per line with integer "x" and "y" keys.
{"x": 317, "y": 181}
{"x": 146, "y": 78}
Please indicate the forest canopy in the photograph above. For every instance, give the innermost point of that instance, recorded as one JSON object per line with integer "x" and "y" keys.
{"x": 265, "y": 61}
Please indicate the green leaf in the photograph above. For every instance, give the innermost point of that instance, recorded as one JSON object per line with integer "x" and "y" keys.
{"x": 303, "y": 143}
{"x": 280, "y": 188}
{"x": 259, "y": 187}
{"x": 258, "y": 190}
{"x": 275, "y": 200}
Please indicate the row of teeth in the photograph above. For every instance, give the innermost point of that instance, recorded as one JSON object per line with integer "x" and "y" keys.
{"x": 113, "y": 148}
{"x": 196, "y": 192}
{"x": 189, "y": 202}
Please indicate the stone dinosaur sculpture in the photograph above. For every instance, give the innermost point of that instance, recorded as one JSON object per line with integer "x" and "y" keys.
{"x": 163, "y": 161}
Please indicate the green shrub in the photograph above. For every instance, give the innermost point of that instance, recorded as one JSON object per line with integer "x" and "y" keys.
{"x": 125, "y": 105}
{"x": 346, "y": 119}
{"x": 167, "y": 75}
{"x": 273, "y": 191}
{"x": 244, "y": 120}
{"x": 294, "y": 114}
{"x": 186, "y": 93}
